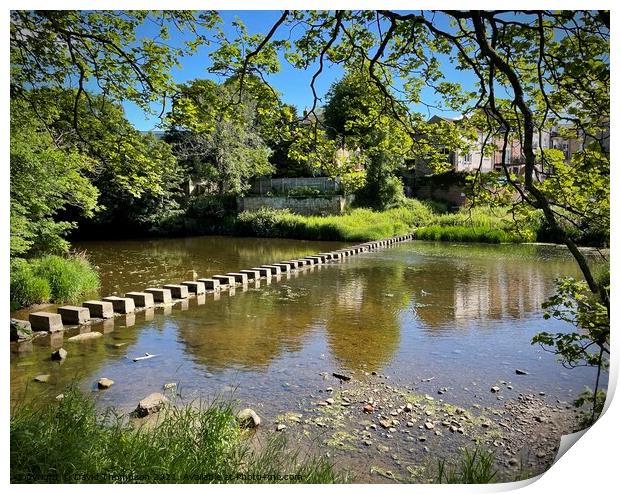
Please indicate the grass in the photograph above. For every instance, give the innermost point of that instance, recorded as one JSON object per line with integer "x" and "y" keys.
{"x": 473, "y": 467}
{"x": 479, "y": 224}
{"x": 51, "y": 279}
{"x": 69, "y": 442}
{"x": 357, "y": 225}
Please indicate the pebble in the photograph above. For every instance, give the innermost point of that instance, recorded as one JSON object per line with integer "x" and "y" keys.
{"x": 42, "y": 378}
{"x": 329, "y": 401}
{"x": 495, "y": 389}
{"x": 410, "y": 424}
{"x": 280, "y": 427}
{"x": 429, "y": 425}
{"x": 170, "y": 385}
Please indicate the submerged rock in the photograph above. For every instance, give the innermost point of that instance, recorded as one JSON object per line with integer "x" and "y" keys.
{"x": 86, "y": 336}
{"x": 104, "y": 383}
{"x": 248, "y": 418}
{"x": 59, "y": 354}
{"x": 151, "y": 404}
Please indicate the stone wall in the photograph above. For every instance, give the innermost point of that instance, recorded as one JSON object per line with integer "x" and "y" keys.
{"x": 308, "y": 206}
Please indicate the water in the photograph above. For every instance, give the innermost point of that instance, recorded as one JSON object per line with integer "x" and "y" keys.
{"x": 460, "y": 315}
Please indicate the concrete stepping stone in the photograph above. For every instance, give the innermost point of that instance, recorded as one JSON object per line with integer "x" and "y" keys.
{"x": 196, "y": 287}
{"x": 99, "y": 308}
{"x": 45, "y": 321}
{"x": 160, "y": 295}
{"x": 210, "y": 283}
{"x": 72, "y": 314}
{"x": 239, "y": 277}
{"x": 122, "y": 305}
{"x": 178, "y": 291}
{"x": 142, "y": 299}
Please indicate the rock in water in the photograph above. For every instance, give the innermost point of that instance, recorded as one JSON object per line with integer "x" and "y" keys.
{"x": 104, "y": 383}
{"x": 151, "y": 404}
{"x": 85, "y": 336}
{"x": 42, "y": 378}
{"x": 20, "y": 330}
{"x": 170, "y": 385}
{"x": 59, "y": 354}
{"x": 495, "y": 389}
{"x": 520, "y": 372}
{"x": 342, "y": 377}
{"x": 248, "y": 418}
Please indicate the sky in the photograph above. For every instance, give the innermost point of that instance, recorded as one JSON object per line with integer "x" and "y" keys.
{"x": 292, "y": 83}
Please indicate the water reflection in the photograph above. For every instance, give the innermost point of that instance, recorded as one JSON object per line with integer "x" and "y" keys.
{"x": 376, "y": 311}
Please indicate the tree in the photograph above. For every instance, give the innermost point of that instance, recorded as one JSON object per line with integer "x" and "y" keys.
{"x": 45, "y": 180}
{"x": 551, "y": 67}
{"x": 217, "y": 138}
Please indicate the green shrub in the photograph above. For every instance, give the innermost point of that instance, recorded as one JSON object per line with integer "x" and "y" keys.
{"x": 69, "y": 442}
{"x": 26, "y": 287}
{"x": 483, "y": 234}
{"x": 51, "y": 279}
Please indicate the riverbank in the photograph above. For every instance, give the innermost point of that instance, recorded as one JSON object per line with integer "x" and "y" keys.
{"x": 393, "y": 431}
{"x": 478, "y": 224}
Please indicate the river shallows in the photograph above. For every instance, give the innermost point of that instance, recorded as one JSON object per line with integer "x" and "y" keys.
{"x": 462, "y": 315}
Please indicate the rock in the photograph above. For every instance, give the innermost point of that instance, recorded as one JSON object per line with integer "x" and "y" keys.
{"x": 542, "y": 393}
{"x": 382, "y": 448}
{"x": 410, "y": 424}
{"x": 367, "y": 442}
{"x": 170, "y": 385}
{"x": 485, "y": 425}
{"x": 342, "y": 377}
{"x": 495, "y": 389}
{"x": 42, "y": 378}
{"x": 429, "y": 425}
{"x": 386, "y": 424}
{"x": 59, "y": 354}
{"x": 248, "y": 418}
{"x": 540, "y": 419}
{"x": 104, "y": 383}
{"x": 513, "y": 462}
{"x": 20, "y": 330}
{"x": 422, "y": 439}
{"x": 151, "y": 404}
{"x": 520, "y": 372}
{"x": 329, "y": 390}
{"x": 280, "y": 427}
{"x": 60, "y": 397}
{"x": 86, "y": 336}
{"x": 368, "y": 408}
{"x": 509, "y": 386}
{"x": 329, "y": 401}
{"x": 409, "y": 407}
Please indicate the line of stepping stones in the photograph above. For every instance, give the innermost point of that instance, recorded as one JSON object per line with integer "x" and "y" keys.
{"x": 111, "y": 306}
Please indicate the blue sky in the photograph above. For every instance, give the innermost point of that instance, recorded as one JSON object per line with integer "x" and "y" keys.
{"x": 293, "y": 84}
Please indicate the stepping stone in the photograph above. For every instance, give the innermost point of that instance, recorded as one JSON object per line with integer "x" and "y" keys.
{"x": 285, "y": 268}
{"x": 45, "y": 321}
{"x": 142, "y": 299}
{"x": 122, "y": 305}
{"x": 178, "y": 291}
{"x": 239, "y": 277}
{"x": 252, "y": 274}
{"x": 72, "y": 314}
{"x": 98, "y": 308}
{"x": 274, "y": 269}
{"x": 161, "y": 295}
{"x": 196, "y": 287}
{"x": 225, "y": 279}
{"x": 210, "y": 283}
{"x": 292, "y": 264}
{"x": 264, "y": 272}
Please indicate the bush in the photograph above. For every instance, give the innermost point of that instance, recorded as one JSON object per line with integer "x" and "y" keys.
{"x": 51, "y": 279}
{"x": 26, "y": 287}
{"x": 68, "y": 442}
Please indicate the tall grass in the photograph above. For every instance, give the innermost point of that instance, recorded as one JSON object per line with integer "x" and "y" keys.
{"x": 473, "y": 467}
{"x": 479, "y": 224}
{"x": 357, "y": 225}
{"x": 51, "y": 279}
{"x": 69, "y": 442}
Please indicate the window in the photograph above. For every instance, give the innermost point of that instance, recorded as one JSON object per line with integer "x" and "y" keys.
{"x": 467, "y": 158}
